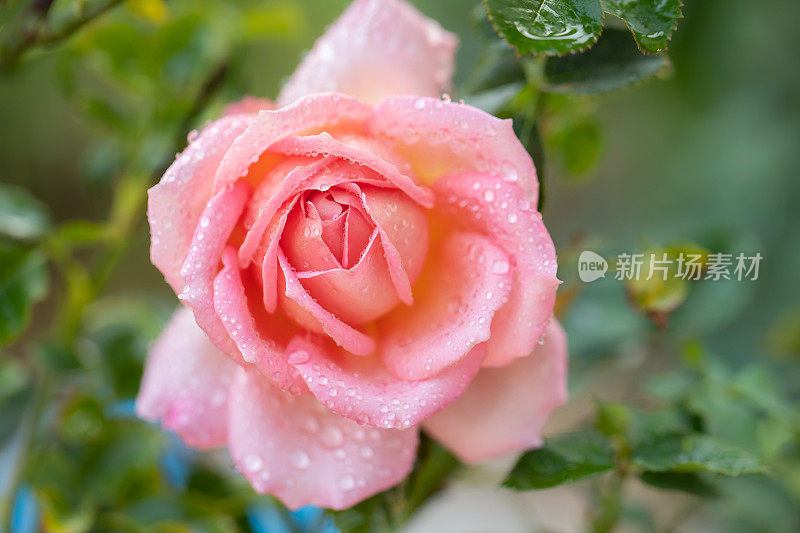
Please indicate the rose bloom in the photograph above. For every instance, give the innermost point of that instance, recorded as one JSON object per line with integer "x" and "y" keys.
{"x": 355, "y": 266}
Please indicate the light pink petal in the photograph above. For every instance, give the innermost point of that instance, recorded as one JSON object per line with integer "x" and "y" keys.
{"x": 269, "y": 263}
{"x": 403, "y": 227}
{"x": 440, "y": 138}
{"x": 186, "y": 382}
{"x": 214, "y": 228}
{"x": 259, "y": 343}
{"x": 349, "y": 338}
{"x": 504, "y": 409}
{"x": 356, "y": 238}
{"x": 456, "y": 301}
{"x": 176, "y": 202}
{"x": 325, "y": 143}
{"x": 333, "y": 234}
{"x": 360, "y": 388}
{"x": 277, "y": 188}
{"x": 377, "y": 48}
{"x": 308, "y": 116}
{"x": 356, "y": 295}
{"x": 302, "y": 241}
{"x": 293, "y": 448}
{"x": 501, "y": 211}
{"x": 247, "y": 105}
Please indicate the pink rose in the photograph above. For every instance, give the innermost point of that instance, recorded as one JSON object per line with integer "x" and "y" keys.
{"x": 355, "y": 262}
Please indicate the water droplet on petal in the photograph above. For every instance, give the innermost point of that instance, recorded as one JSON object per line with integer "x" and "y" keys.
{"x": 298, "y": 357}
{"x": 500, "y": 267}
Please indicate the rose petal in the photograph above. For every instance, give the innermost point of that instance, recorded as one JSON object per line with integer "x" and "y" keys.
{"x": 302, "y": 241}
{"x": 277, "y": 188}
{"x": 292, "y": 448}
{"x": 361, "y": 388}
{"x": 456, "y": 300}
{"x": 308, "y": 116}
{"x": 500, "y": 210}
{"x": 403, "y": 227}
{"x": 504, "y": 409}
{"x": 376, "y": 48}
{"x": 176, "y": 202}
{"x": 325, "y": 143}
{"x": 258, "y": 343}
{"x": 349, "y": 338}
{"x": 356, "y": 295}
{"x": 214, "y": 228}
{"x": 440, "y": 138}
{"x": 186, "y": 383}
{"x": 247, "y": 105}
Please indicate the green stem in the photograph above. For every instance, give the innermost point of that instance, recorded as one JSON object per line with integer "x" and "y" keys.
{"x": 33, "y": 29}
{"x": 610, "y": 504}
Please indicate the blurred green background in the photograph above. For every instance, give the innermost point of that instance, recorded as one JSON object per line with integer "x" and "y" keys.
{"x": 708, "y": 155}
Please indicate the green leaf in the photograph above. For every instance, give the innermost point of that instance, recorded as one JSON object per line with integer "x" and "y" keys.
{"x": 613, "y": 63}
{"x": 694, "y": 453}
{"x": 23, "y": 281}
{"x": 21, "y": 215}
{"x": 683, "y": 481}
{"x": 528, "y": 133}
{"x": 546, "y": 27}
{"x": 563, "y": 460}
{"x": 651, "y": 21}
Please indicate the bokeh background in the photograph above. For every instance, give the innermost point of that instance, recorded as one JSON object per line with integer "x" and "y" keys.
{"x": 706, "y": 156}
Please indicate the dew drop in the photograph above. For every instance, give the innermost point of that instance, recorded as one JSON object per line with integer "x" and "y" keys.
{"x": 253, "y": 463}
{"x": 347, "y": 483}
{"x": 300, "y": 459}
{"x": 500, "y": 267}
{"x": 332, "y": 437}
{"x": 299, "y": 357}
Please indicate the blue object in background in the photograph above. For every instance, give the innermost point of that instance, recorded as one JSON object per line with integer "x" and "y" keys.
{"x": 25, "y": 514}
{"x": 267, "y": 518}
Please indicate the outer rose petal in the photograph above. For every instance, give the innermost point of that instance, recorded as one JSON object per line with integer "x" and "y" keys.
{"x": 293, "y": 448}
{"x": 440, "y": 138}
{"x": 308, "y": 116}
{"x": 216, "y": 224}
{"x": 248, "y": 104}
{"x": 375, "y": 49}
{"x": 360, "y": 388}
{"x": 457, "y": 299}
{"x": 504, "y": 409}
{"x": 500, "y": 210}
{"x": 258, "y": 344}
{"x": 176, "y": 202}
{"x": 186, "y": 383}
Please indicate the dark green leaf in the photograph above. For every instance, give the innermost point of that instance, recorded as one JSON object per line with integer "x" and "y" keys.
{"x": 23, "y": 281}
{"x": 651, "y": 21}
{"x": 563, "y": 460}
{"x": 683, "y": 481}
{"x": 21, "y": 215}
{"x": 528, "y": 133}
{"x": 546, "y": 27}
{"x": 611, "y": 64}
{"x": 694, "y": 453}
